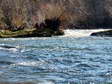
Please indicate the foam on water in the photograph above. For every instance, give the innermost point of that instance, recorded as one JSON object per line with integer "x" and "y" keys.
{"x": 30, "y": 63}
{"x": 46, "y": 82}
{"x": 81, "y": 33}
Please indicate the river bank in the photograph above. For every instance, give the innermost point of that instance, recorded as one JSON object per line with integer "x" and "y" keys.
{"x": 30, "y": 33}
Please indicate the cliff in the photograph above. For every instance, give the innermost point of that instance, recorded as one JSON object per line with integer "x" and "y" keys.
{"x": 55, "y": 14}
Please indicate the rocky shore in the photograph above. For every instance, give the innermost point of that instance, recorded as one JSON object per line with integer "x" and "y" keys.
{"x": 103, "y": 33}
{"x": 30, "y": 33}
{"x": 47, "y": 28}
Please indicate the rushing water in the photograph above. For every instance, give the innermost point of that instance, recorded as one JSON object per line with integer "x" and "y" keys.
{"x": 75, "y": 58}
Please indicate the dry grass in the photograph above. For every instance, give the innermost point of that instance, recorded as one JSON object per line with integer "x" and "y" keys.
{"x": 53, "y": 11}
{"x": 15, "y": 13}
{"x": 30, "y": 12}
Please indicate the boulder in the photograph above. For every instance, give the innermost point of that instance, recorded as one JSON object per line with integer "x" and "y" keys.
{"x": 103, "y": 33}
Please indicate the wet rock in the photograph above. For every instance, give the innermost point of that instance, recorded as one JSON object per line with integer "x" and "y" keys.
{"x": 103, "y": 33}
{"x": 47, "y": 32}
{"x": 30, "y": 33}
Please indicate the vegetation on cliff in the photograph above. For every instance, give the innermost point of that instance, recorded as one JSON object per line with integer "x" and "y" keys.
{"x": 54, "y": 14}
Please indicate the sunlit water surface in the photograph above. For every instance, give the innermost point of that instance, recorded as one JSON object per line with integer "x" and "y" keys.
{"x": 75, "y": 58}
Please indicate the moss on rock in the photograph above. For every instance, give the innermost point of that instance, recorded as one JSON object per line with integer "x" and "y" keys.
{"x": 30, "y": 33}
{"x": 19, "y": 33}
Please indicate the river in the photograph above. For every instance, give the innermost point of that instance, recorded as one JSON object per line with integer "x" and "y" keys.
{"x": 75, "y": 58}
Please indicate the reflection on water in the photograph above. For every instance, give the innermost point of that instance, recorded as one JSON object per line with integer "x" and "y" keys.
{"x": 56, "y": 60}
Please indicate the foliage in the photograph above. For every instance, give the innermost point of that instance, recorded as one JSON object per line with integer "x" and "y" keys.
{"x": 20, "y": 14}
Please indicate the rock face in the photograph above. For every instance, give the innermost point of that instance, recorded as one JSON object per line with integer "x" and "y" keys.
{"x": 103, "y": 34}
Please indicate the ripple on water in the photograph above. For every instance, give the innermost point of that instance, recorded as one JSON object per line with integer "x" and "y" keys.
{"x": 57, "y": 60}
{"x": 37, "y": 82}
